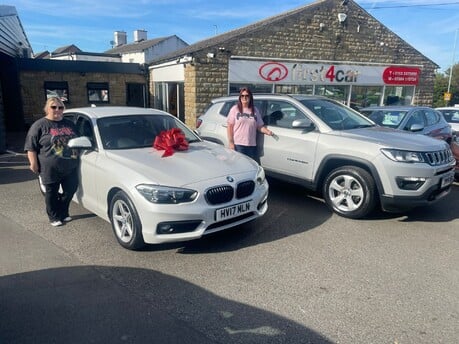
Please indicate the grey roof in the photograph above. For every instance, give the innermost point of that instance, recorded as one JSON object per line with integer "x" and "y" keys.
{"x": 12, "y": 34}
{"x": 67, "y": 48}
{"x": 137, "y": 46}
{"x": 232, "y": 35}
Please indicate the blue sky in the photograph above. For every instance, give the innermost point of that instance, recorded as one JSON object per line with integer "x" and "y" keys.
{"x": 430, "y": 26}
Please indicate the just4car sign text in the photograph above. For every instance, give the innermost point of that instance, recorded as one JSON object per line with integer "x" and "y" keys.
{"x": 316, "y": 73}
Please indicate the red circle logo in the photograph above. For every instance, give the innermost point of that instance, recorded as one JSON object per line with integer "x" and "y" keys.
{"x": 273, "y": 71}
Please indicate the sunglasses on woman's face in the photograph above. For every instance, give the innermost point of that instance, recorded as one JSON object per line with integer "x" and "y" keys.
{"x": 245, "y": 96}
{"x": 54, "y": 107}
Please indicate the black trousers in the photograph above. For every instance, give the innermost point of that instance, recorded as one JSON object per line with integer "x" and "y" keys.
{"x": 57, "y": 204}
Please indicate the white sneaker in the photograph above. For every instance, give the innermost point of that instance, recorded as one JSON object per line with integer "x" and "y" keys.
{"x": 56, "y": 223}
{"x": 67, "y": 219}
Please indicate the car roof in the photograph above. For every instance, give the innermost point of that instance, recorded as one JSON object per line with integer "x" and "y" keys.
{"x": 448, "y": 108}
{"x": 110, "y": 111}
{"x": 395, "y": 107}
{"x": 270, "y": 96}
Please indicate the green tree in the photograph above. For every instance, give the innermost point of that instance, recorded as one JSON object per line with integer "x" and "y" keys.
{"x": 441, "y": 87}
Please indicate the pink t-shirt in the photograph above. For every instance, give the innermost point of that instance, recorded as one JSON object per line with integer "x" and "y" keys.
{"x": 245, "y": 125}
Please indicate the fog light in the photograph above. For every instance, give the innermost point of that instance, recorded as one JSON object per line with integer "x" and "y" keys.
{"x": 410, "y": 183}
{"x": 165, "y": 228}
{"x": 177, "y": 227}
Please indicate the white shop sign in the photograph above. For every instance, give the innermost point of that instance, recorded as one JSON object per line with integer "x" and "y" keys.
{"x": 320, "y": 73}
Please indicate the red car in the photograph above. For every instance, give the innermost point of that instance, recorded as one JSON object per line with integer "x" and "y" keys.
{"x": 455, "y": 149}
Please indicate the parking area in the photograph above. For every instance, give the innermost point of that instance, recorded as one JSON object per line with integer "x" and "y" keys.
{"x": 300, "y": 274}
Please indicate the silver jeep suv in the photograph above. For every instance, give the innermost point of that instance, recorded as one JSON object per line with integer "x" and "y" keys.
{"x": 327, "y": 147}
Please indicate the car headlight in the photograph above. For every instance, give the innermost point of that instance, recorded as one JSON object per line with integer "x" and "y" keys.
{"x": 166, "y": 194}
{"x": 261, "y": 177}
{"x": 403, "y": 156}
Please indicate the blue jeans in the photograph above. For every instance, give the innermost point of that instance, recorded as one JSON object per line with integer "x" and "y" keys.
{"x": 250, "y": 151}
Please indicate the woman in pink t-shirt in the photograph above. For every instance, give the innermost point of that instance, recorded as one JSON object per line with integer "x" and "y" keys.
{"x": 244, "y": 120}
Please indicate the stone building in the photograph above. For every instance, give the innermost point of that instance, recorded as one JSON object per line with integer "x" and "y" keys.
{"x": 330, "y": 47}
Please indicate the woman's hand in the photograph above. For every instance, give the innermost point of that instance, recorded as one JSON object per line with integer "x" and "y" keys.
{"x": 33, "y": 160}
{"x": 266, "y": 131}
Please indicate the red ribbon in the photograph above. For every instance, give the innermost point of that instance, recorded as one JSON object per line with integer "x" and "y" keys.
{"x": 170, "y": 141}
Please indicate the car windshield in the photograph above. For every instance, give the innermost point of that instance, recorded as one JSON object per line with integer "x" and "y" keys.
{"x": 451, "y": 116}
{"x": 336, "y": 115}
{"x": 137, "y": 131}
{"x": 387, "y": 118}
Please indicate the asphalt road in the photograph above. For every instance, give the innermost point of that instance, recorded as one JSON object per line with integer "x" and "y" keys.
{"x": 298, "y": 275}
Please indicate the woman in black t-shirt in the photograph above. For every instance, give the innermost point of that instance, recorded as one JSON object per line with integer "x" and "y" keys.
{"x": 49, "y": 156}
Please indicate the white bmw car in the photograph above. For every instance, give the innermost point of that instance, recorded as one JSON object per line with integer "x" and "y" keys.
{"x": 163, "y": 192}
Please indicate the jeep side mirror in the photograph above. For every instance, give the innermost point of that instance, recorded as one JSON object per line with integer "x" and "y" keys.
{"x": 303, "y": 123}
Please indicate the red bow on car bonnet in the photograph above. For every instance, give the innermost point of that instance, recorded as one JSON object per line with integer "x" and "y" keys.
{"x": 170, "y": 141}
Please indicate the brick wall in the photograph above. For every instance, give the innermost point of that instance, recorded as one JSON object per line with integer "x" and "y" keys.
{"x": 33, "y": 92}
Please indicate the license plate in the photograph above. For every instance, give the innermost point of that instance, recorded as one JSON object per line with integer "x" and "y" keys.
{"x": 446, "y": 181}
{"x": 232, "y": 211}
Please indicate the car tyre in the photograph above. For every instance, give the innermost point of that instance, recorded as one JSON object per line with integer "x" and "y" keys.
{"x": 125, "y": 222}
{"x": 350, "y": 192}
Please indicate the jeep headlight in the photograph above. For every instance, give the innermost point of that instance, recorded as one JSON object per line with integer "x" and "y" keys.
{"x": 166, "y": 194}
{"x": 261, "y": 177}
{"x": 403, "y": 156}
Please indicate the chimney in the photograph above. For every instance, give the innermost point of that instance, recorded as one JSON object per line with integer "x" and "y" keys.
{"x": 140, "y": 35}
{"x": 120, "y": 38}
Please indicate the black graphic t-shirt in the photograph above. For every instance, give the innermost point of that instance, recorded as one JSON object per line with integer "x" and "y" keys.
{"x": 49, "y": 139}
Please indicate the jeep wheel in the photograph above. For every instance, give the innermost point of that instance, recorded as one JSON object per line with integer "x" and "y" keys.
{"x": 350, "y": 192}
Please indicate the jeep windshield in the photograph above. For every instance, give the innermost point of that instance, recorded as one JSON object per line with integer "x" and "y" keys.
{"x": 335, "y": 115}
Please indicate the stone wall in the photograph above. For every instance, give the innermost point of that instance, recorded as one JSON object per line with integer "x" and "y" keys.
{"x": 360, "y": 39}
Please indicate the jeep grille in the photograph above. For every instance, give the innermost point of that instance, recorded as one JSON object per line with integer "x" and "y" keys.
{"x": 439, "y": 157}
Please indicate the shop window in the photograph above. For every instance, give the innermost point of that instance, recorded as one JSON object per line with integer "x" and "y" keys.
{"x": 338, "y": 93}
{"x": 255, "y": 88}
{"x": 170, "y": 97}
{"x": 398, "y": 95}
{"x": 58, "y": 89}
{"x": 294, "y": 89}
{"x": 363, "y": 96}
{"x": 98, "y": 92}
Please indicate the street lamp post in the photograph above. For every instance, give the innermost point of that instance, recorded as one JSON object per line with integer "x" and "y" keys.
{"x": 452, "y": 63}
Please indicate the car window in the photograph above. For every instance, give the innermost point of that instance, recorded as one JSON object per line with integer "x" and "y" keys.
{"x": 127, "y": 132}
{"x": 451, "y": 116}
{"x": 281, "y": 114}
{"x": 432, "y": 117}
{"x": 388, "y": 118}
{"x": 224, "y": 111}
{"x": 336, "y": 115}
{"x": 70, "y": 116}
{"x": 416, "y": 117}
{"x": 85, "y": 128}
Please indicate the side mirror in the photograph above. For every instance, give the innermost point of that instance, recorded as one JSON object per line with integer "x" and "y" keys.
{"x": 303, "y": 123}
{"x": 81, "y": 142}
{"x": 416, "y": 127}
